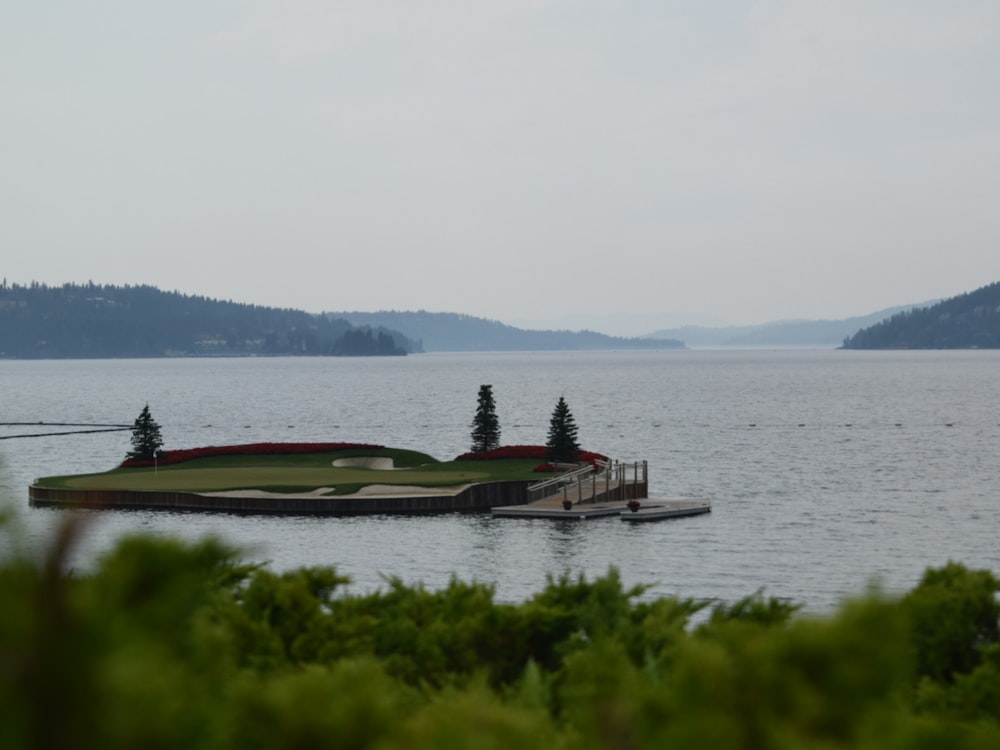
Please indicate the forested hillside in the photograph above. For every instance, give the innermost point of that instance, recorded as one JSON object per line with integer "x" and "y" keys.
{"x": 453, "y": 332}
{"x": 968, "y": 321}
{"x": 91, "y": 320}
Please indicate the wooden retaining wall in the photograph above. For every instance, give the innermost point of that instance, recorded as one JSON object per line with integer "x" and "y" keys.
{"x": 477, "y": 497}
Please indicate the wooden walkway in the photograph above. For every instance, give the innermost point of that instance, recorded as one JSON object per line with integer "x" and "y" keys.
{"x": 584, "y": 493}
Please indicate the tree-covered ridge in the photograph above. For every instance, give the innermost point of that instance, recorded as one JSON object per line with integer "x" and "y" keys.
{"x": 91, "y": 320}
{"x": 968, "y": 321}
{"x": 170, "y": 645}
{"x": 456, "y": 332}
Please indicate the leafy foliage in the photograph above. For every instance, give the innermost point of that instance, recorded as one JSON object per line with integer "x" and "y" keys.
{"x": 485, "y": 425}
{"x": 173, "y": 645}
{"x": 954, "y": 615}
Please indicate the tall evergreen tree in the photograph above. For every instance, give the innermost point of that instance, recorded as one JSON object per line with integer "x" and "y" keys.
{"x": 146, "y": 438}
{"x": 485, "y": 425}
{"x": 562, "y": 445}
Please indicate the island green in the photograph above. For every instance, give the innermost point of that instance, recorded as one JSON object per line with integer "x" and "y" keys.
{"x": 301, "y": 473}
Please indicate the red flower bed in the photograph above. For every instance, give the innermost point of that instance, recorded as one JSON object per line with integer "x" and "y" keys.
{"x": 506, "y": 451}
{"x": 251, "y": 449}
{"x": 539, "y": 452}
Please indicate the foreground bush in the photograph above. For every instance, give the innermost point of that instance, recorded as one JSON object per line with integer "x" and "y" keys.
{"x": 172, "y": 645}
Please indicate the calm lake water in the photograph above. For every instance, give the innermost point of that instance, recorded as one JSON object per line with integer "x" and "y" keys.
{"x": 828, "y": 470}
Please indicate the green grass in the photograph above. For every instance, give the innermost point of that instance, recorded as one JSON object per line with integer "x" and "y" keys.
{"x": 297, "y": 473}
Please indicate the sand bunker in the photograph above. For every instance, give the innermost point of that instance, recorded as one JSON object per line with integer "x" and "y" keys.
{"x": 382, "y": 463}
{"x": 405, "y": 490}
{"x": 371, "y": 490}
{"x": 318, "y": 492}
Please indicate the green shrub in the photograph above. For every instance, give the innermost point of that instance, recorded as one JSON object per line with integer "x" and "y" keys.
{"x": 174, "y": 645}
{"x": 954, "y": 616}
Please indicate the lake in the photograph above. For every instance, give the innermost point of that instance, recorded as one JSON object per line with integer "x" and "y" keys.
{"x": 828, "y": 470}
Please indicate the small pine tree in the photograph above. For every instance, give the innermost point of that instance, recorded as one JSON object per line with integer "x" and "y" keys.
{"x": 146, "y": 439}
{"x": 562, "y": 445}
{"x": 485, "y": 425}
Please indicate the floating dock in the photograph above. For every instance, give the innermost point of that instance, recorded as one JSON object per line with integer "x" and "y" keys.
{"x": 608, "y": 490}
{"x": 650, "y": 509}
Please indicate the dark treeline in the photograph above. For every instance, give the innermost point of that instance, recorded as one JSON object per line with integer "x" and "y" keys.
{"x": 91, "y": 320}
{"x": 455, "y": 332}
{"x": 363, "y": 342}
{"x": 968, "y": 321}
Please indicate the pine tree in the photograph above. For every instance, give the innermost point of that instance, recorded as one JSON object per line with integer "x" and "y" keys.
{"x": 485, "y": 425}
{"x": 146, "y": 439}
{"x": 562, "y": 445}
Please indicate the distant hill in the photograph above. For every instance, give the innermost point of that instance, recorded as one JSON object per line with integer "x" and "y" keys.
{"x": 968, "y": 321}
{"x": 786, "y": 333}
{"x": 453, "y": 332}
{"x": 90, "y": 320}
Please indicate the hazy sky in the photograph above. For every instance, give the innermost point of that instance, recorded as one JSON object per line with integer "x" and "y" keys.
{"x": 509, "y": 159}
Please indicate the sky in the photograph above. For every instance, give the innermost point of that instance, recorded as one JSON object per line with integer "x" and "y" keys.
{"x": 727, "y": 162}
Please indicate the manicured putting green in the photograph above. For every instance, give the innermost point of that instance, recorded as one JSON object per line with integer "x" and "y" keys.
{"x": 301, "y": 479}
{"x": 299, "y": 473}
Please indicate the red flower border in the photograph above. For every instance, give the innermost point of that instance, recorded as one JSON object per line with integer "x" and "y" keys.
{"x": 539, "y": 452}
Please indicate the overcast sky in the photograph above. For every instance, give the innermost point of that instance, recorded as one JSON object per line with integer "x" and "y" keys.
{"x": 510, "y": 159}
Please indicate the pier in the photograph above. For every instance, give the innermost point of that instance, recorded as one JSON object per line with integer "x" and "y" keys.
{"x": 613, "y": 489}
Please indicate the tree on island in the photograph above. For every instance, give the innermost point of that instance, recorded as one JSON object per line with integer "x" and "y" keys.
{"x": 562, "y": 445}
{"x": 485, "y": 425}
{"x": 146, "y": 438}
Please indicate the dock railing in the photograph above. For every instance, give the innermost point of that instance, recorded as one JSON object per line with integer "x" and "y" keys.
{"x": 606, "y": 482}
{"x": 556, "y": 484}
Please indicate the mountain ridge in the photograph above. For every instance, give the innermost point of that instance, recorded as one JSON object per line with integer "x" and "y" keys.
{"x": 965, "y": 321}
{"x": 91, "y": 320}
{"x": 449, "y": 331}
{"x": 778, "y": 333}
{"x": 81, "y": 321}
